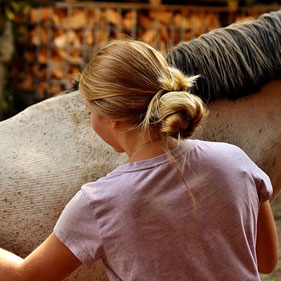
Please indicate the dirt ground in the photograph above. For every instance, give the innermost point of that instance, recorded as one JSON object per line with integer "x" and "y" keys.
{"x": 276, "y": 274}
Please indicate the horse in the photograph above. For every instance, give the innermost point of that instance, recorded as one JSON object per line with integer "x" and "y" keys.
{"x": 49, "y": 150}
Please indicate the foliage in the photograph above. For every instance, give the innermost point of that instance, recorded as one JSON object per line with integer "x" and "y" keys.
{"x": 9, "y": 9}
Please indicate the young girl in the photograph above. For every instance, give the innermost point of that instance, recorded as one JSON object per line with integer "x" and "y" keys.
{"x": 178, "y": 209}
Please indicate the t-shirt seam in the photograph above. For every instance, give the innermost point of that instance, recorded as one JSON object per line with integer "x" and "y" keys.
{"x": 96, "y": 218}
{"x": 182, "y": 150}
{"x": 267, "y": 184}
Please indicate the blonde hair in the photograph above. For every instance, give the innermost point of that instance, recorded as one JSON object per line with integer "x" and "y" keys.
{"x": 129, "y": 80}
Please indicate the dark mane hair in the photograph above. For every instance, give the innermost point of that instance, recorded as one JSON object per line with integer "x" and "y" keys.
{"x": 234, "y": 61}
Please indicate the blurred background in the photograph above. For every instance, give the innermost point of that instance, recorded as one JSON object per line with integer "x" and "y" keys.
{"x": 45, "y": 44}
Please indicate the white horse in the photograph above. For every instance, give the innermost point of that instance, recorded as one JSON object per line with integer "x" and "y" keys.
{"x": 49, "y": 150}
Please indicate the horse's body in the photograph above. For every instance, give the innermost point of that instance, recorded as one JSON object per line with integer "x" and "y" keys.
{"x": 49, "y": 150}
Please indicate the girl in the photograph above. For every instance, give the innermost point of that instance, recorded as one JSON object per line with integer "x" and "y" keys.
{"x": 178, "y": 209}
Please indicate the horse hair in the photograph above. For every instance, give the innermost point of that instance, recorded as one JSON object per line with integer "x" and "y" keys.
{"x": 234, "y": 61}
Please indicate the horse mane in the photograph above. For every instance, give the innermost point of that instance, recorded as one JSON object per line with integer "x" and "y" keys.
{"x": 234, "y": 61}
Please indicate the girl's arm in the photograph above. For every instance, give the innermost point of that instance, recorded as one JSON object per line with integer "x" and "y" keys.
{"x": 267, "y": 240}
{"x": 51, "y": 261}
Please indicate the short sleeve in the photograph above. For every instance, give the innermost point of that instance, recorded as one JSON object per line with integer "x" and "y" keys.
{"x": 263, "y": 184}
{"x": 261, "y": 179}
{"x": 78, "y": 229}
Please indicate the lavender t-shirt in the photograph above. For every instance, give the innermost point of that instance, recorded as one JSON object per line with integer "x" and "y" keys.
{"x": 145, "y": 224}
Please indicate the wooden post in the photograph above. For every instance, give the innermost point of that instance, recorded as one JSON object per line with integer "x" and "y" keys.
{"x": 1, "y": 89}
{"x": 155, "y": 2}
{"x": 6, "y": 52}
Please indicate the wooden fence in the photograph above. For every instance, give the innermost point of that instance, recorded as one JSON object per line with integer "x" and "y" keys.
{"x": 56, "y": 41}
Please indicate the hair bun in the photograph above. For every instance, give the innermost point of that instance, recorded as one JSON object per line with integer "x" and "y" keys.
{"x": 173, "y": 110}
{"x": 180, "y": 114}
{"x": 176, "y": 114}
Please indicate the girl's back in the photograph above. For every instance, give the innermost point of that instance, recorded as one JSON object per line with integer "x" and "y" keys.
{"x": 148, "y": 227}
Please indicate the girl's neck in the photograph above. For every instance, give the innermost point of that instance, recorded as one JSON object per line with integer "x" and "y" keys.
{"x": 149, "y": 149}
{"x": 136, "y": 144}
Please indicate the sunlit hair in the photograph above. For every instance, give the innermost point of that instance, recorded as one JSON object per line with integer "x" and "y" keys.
{"x": 129, "y": 80}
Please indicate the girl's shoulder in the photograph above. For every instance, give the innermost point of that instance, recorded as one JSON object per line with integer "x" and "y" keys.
{"x": 230, "y": 161}
{"x": 215, "y": 151}
{"x": 221, "y": 158}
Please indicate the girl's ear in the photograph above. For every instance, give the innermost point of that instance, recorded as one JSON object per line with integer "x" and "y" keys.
{"x": 115, "y": 124}
{"x": 119, "y": 125}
